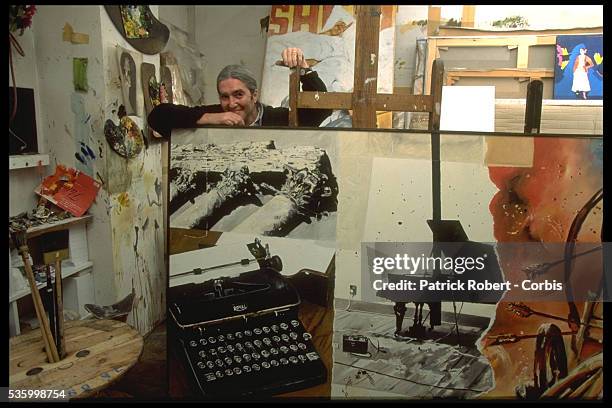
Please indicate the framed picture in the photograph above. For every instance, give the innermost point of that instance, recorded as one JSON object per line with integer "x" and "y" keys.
{"x": 579, "y": 67}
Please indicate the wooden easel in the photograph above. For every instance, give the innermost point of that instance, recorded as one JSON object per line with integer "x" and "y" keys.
{"x": 364, "y": 100}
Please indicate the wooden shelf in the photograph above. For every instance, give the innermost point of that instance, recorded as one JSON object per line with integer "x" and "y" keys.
{"x": 58, "y": 225}
{"x": 22, "y": 161}
{"x": 66, "y": 272}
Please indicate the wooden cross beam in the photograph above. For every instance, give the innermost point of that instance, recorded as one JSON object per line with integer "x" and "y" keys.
{"x": 364, "y": 100}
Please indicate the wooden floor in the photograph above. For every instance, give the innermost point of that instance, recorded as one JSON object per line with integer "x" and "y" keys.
{"x": 437, "y": 367}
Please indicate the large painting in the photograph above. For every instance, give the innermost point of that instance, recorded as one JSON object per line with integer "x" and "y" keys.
{"x": 579, "y": 67}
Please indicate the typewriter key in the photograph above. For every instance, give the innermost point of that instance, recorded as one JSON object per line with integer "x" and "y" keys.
{"x": 265, "y": 353}
{"x": 210, "y": 377}
{"x": 238, "y": 359}
{"x": 274, "y": 351}
{"x": 274, "y": 363}
{"x": 219, "y": 374}
{"x": 276, "y": 339}
{"x": 295, "y": 323}
{"x": 275, "y": 328}
{"x": 210, "y": 364}
{"x": 256, "y": 367}
{"x": 265, "y": 364}
{"x": 212, "y": 352}
{"x": 284, "y": 349}
{"x": 266, "y": 329}
{"x": 203, "y": 342}
{"x": 293, "y": 347}
{"x": 302, "y": 358}
{"x": 284, "y": 361}
{"x": 284, "y": 326}
{"x": 212, "y": 340}
{"x": 202, "y": 354}
{"x": 293, "y": 335}
{"x": 257, "y": 331}
{"x": 258, "y": 343}
{"x": 307, "y": 336}
{"x": 230, "y": 348}
{"x": 293, "y": 359}
{"x": 248, "y": 333}
{"x": 312, "y": 356}
{"x": 256, "y": 356}
{"x": 238, "y": 335}
{"x": 228, "y": 360}
{"x": 246, "y": 368}
{"x": 193, "y": 343}
{"x": 230, "y": 337}
{"x": 229, "y": 372}
{"x": 219, "y": 362}
{"x": 221, "y": 349}
{"x": 248, "y": 345}
{"x": 221, "y": 337}
{"x": 284, "y": 337}
{"x": 239, "y": 347}
{"x": 302, "y": 346}
{"x": 267, "y": 341}
{"x": 237, "y": 370}
{"x": 201, "y": 364}
{"x": 247, "y": 357}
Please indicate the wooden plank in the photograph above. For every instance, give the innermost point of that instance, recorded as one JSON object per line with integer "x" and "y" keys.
{"x": 468, "y": 31}
{"x": 497, "y": 41}
{"x": 433, "y": 19}
{"x": 57, "y": 226}
{"x": 366, "y": 65}
{"x": 403, "y": 103}
{"x": 294, "y": 90}
{"x": 325, "y": 100}
{"x": 453, "y": 75}
{"x": 467, "y": 16}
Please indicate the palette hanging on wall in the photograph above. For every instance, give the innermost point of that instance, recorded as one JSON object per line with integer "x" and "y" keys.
{"x": 151, "y": 90}
{"x": 139, "y": 27}
{"x": 126, "y": 138}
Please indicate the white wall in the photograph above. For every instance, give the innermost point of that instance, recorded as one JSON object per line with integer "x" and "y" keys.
{"x": 54, "y": 61}
{"x": 230, "y": 35}
{"x": 22, "y": 182}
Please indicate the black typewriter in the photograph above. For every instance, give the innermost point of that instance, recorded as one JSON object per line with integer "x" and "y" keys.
{"x": 241, "y": 336}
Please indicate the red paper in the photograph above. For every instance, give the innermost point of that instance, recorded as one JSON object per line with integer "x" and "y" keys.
{"x": 69, "y": 189}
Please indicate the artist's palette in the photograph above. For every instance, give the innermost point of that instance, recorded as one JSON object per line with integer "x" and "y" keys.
{"x": 126, "y": 138}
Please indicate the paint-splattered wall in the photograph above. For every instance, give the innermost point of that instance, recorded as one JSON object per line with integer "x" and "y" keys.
{"x": 126, "y": 237}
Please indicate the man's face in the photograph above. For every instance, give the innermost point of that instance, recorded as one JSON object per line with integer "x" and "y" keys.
{"x": 235, "y": 97}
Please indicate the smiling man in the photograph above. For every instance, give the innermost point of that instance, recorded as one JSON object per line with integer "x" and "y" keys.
{"x": 239, "y": 102}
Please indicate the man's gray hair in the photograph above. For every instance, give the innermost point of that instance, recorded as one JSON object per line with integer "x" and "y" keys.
{"x": 239, "y": 72}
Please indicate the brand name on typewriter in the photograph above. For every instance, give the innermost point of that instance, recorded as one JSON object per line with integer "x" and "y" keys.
{"x": 240, "y": 308}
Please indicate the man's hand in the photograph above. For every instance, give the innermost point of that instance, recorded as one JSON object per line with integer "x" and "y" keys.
{"x": 223, "y": 118}
{"x": 294, "y": 57}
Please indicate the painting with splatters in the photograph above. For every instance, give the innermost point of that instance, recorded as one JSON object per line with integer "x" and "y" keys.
{"x": 326, "y": 34}
{"x": 508, "y": 349}
{"x": 382, "y": 191}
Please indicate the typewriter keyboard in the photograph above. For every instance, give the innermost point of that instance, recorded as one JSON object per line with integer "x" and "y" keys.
{"x": 267, "y": 356}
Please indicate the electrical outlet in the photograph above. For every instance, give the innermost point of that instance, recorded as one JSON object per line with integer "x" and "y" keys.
{"x": 353, "y": 290}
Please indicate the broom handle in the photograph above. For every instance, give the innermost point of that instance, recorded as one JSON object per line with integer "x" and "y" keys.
{"x": 60, "y": 307}
{"x": 50, "y": 348}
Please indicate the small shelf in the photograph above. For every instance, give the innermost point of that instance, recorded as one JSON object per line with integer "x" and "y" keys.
{"x": 58, "y": 225}
{"x": 23, "y": 161}
{"x": 66, "y": 272}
